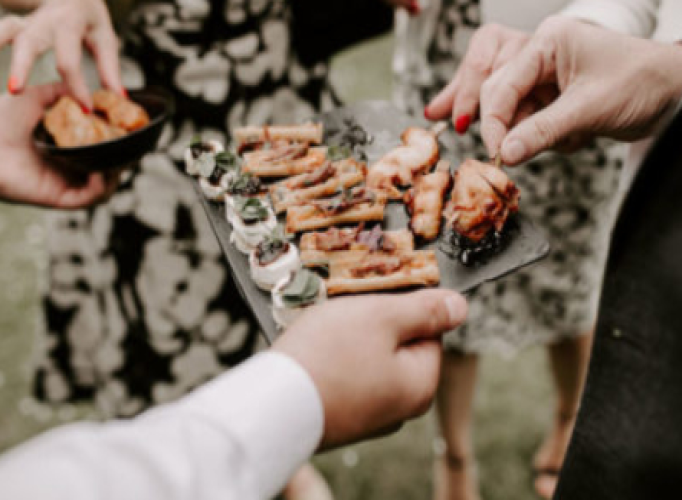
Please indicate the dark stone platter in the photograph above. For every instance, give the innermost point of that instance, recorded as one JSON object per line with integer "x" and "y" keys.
{"x": 384, "y": 122}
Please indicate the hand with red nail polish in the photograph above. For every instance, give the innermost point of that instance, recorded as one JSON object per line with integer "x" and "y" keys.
{"x": 490, "y": 48}
{"x": 24, "y": 177}
{"x": 64, "y": 26}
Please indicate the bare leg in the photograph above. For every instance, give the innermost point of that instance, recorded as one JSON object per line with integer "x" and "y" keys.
{"x": 568, "y": 360}
{"x": 307, "y": 484}
{"x": 455, "y": 477}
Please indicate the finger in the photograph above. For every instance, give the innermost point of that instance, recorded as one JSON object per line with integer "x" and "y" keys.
{"x": 542, "y": 131}
{"x": 10, "y": 27}
{"x": 104, "y": 47}
{"x": 25, "y": 50}
{"x": 419, "y": 366}
{"x": 502, "y": 93}
{"x": 426, "y": 313}
{"x": 476, "y": 68}
{"x": 68, "y": 52}
{"x": 509, "y": 50}
{"x": 526, "y": 109}
{"x": 94, "y": 190}
{"x": 440, "y": 106}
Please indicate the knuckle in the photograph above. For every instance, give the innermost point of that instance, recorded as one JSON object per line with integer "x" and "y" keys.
{"x": 546, "y": 132}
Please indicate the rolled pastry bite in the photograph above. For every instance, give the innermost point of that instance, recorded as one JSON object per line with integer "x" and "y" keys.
{"x": 195, "y": 153}
{"x": 254, "y": 137}
{"x": 359, "y": 204}
{"x": 273, "y": 259}
{"x": 319, "y": 248}
{"x": 294, "y": 293}
{"x": 225, "y": 169}
{"x": 253, "y": 220}
{"x": 326, "y": 180}
{"x": 243, "y": 185}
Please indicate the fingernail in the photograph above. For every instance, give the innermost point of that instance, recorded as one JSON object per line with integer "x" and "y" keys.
{"x": 85, "y": 109}
{"x": 427, "y": 115}
{"x": 13, "y": 85}
{"x": 457, "y": 309}
{"x": 124, "y": 93}
{"x": 513, "y": 151}
{"x": 414, "y": 8}
{"x": 462, "y": 124}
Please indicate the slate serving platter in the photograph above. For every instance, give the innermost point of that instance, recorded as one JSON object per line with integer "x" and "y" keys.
{"x": 384, "y": 122}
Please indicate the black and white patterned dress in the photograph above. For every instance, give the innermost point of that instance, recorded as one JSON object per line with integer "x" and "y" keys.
{"x": 573, "y": 199}
{"x": 140, "y": 306}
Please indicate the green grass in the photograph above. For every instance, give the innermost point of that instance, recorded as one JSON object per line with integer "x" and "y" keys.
{"x": 513, "y": 403}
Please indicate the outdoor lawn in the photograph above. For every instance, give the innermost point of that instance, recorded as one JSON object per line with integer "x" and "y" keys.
{"x": 513, "y": 404}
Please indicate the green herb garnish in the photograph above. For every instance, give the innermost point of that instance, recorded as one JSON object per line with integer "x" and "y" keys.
{"x": 245, "y": 184}
{"x": 251, "y": 210}
{"x": 302, "y": 290}
{"x": 341, "y": 152}
{"x": 227, "y": 161}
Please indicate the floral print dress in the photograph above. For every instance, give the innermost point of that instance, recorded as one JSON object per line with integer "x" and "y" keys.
{"x": 572, "y": 199}
{"x": 140, "y": 306}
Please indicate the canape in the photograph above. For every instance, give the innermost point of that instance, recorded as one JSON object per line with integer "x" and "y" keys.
{"x": 253, "y": 220}
{"x": 294, "y": 293}
{"x": 273, "y": 259}
{"x": 199, "y": 156}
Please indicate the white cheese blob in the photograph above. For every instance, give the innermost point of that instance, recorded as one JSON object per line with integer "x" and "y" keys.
{"x": 191, "y": 162}
{"x": 246, "y": 237}
{"x": 266, "y": 277}
{"x": 285, "y": 316}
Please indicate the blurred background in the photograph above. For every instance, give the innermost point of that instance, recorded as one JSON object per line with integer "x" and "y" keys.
{"x": 513, "y": 403}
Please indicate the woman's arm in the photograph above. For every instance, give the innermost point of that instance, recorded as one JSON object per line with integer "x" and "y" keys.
{"x": 629, "y": 17}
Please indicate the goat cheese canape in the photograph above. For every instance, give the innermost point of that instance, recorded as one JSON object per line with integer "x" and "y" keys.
{"x": 273, "y": 259}
{"x": 225, "y": 170}
{"x": 253, "y": 220}
{"x": 198, "y": 151}
{"x": 243, "y": 186}
{"x": 294, "y": 293}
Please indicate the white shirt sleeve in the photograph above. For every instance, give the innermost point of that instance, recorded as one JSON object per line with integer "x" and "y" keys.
{"x": 239, "y": 437}
{"x": 630, "y": 17}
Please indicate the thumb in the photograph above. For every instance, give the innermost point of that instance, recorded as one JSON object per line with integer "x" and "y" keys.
{"x": 543, "y": 130}
{"x": 427, "y": 314}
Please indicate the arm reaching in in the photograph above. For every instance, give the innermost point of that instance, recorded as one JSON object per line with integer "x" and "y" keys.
{"x": 333, "y": 378}
{"x": 607, "y": 85}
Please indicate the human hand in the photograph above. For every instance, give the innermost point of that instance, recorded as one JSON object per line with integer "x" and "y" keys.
{"x": 489, "y": 49}
{"x": 375, "y": 360}
{"x": 63, "y": 25}
{"x": 24, "y": 177}
{"x": 607, "y": 85}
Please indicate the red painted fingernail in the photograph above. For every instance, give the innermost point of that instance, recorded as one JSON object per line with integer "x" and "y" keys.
{"x": 13, "y": 85}
{"x": 462, "y": 124}
{"x": 427, "y": 115}
{"x": 124, "y": 93}
{"x": 85, "y": 109}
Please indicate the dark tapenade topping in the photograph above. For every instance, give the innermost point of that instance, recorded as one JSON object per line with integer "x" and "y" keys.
{"x": 269, "y": 251}
{"x": 245, "y": 185}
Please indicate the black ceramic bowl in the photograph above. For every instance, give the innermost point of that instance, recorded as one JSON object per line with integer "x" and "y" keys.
{"x": 116, "y": 153}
